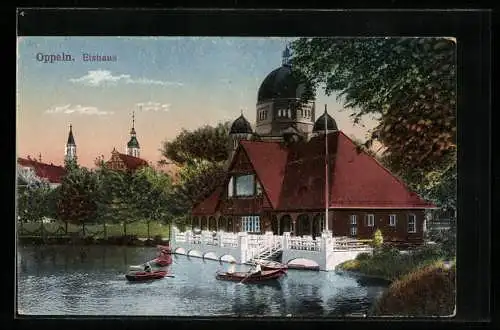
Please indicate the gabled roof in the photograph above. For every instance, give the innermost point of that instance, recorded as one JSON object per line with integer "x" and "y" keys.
{"x": 131, "y": 162}
{"x": 356, "y": 180}
{"x": 50, "y": 172}
{"x": 293, "y": 177}
{"x": 209, "y": 205}
{"x": 268, "y": 160}
{"x": 361, "y": 181}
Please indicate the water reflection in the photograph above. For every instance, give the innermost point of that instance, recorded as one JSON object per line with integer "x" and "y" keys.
{"x": 90, "y": 280}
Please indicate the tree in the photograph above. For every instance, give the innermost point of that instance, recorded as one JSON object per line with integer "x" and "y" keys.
{"x": 197, "y": 181}
{"x": 152, "y": 189}
{"x": 378, "y": 239}
{"x": 408, "y": 83}
{"x": 35, "y": 201}
{"x": 117, "y": 198}
{"x": 361, "y": 146}
{"x": 207, "y": 143}
{"x": 77, "y": 196}
{"x": 71, "y": 163}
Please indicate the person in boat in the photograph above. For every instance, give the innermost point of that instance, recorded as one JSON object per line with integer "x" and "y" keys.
{"x": 147, "y": 267}
{"x": 232, "y": 268}
{"x": 256, "y": 270}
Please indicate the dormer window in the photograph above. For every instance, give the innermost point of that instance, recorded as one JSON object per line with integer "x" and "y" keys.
{"x": 244, "y": 185}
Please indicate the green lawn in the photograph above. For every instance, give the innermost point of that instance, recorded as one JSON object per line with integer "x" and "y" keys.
{"x": 139, "y": 228}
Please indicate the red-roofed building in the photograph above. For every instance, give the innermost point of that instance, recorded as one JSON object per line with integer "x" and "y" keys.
{"x": 284, "y": 187}
{"x": 30, "y": 169}
{"x": 123, "y": 162}
{"x": 276, "y": 177}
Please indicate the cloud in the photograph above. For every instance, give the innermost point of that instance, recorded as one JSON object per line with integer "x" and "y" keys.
{"x": 153, "y": 106}
{"x": 78, "y": 109}
{"x": 104, "y": 77}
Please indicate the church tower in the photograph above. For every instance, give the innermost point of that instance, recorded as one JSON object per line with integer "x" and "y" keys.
{"x": 133, "y": 145}
{"x": 70, "y": 150}
{"x": 283, "y": 110}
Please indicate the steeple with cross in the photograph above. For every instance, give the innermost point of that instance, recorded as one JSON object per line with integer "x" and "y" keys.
{"x": 133, "y": 148}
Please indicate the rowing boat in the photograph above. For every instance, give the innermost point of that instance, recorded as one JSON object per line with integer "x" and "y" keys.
{"x": 245, "y": 277}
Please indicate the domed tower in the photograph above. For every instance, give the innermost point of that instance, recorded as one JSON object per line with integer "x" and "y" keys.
{"x": 241, "y": 129}
{"x": 279, "y": 106}
{"x": 133, "y": 148}
{"x": 325, "y": 120}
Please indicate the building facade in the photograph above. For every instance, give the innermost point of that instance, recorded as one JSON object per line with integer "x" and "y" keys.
{"x": 285, "y": 175}
{"x": 30, "y": 170}
{"x": 123, "y": 162}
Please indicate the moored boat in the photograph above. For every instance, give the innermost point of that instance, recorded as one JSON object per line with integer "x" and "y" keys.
{"x": 144, "y": 276}
{"x": 164, "y": 259}
{"x": 303, "y": 267}
{"x": 245, "y": 277}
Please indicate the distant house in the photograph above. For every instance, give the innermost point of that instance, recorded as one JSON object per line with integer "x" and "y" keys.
{"x": 29, "y": 169}
{"x": 123, "y": 162}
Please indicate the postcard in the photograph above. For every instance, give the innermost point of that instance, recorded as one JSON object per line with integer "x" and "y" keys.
{"x": 236, "y": 176}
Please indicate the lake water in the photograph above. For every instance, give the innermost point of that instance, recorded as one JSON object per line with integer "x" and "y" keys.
{"x": 89, "y": 280}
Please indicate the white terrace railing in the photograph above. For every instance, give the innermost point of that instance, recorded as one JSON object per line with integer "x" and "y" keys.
{"x": 208, "y": 238}
{"x": 306, "y": 243}
{"x": 229, "y": 239}
{"x": 261, "y": 244}
{"x": 347, "y": 243}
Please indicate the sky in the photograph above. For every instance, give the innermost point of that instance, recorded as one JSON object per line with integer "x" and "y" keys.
{"x": 170, "y": 82}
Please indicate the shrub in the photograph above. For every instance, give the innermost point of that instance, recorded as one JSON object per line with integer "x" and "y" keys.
{"x": 350, "y": 265}
{"x": 378, "y": 239}
{"x": 428, "y": 253}
{"x": 363, "y": 256}
{"x": 428, "y": 291}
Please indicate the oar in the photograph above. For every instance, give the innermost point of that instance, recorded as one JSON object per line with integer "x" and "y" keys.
{"x": 250, "y": 273}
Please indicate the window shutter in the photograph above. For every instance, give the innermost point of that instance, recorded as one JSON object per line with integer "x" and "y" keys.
{"x": 365, "y": 220}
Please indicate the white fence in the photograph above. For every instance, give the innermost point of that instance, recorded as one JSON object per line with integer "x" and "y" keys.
{"x": 347, "y": 243}
{"x": 306, "y": 243}
{"x": 248, "y": 246}
{"x": 207, "y": 238}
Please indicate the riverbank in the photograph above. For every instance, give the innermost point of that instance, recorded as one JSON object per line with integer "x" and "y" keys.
{"x": 421, "y": 282}
{"x": 96, "y": 230}
{"x": 129, "y": 240}
{"x": 427, "y": 291}
{"x": 389, "y": 264}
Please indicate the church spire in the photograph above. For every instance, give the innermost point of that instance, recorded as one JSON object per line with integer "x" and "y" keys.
{"x": 133, "y": 145}
{"x": 70, "y": 150}
{"x": 71, "y": 139}
{"x": 132, "y": 131}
